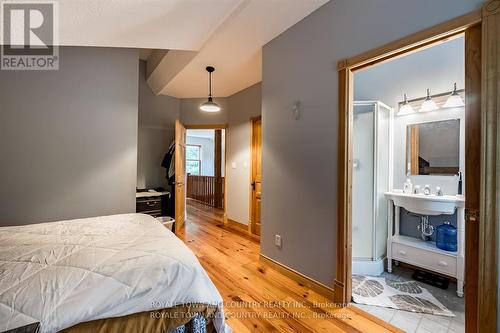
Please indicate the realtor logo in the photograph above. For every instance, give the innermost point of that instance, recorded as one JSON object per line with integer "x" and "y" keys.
{"x": 29, "y": 35}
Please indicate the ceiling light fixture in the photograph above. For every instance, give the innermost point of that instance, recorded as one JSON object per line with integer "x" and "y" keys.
{"x": 210, "y": 105}
{"x": 454, "y": 101}
{"x": 428, "y": 104}
{"x": 405, "y": 107}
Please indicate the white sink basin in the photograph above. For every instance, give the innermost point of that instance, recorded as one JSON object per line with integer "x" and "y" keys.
{"x": 426, "y": 204}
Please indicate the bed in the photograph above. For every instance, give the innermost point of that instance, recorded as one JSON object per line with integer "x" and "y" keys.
{"x": 84, "y": 274}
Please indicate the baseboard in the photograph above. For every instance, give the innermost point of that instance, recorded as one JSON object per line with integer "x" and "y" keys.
{"x": 237, "y": 225}
{"x": 298, "y": 277}
{"x": 240, "y": 227}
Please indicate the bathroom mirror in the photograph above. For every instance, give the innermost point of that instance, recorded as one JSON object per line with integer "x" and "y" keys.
{"x": 433, "y": 148}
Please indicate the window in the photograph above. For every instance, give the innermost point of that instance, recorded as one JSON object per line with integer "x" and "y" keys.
{"x": 193, "y": 159}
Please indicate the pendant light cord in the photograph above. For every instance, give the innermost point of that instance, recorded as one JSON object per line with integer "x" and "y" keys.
{"x": 209, "y": 84}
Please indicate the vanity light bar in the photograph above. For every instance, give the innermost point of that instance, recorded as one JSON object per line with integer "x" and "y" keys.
{"x": 439, "y": 99}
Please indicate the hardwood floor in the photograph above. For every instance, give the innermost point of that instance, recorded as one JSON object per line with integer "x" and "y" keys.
{"x": 258, "y": 298}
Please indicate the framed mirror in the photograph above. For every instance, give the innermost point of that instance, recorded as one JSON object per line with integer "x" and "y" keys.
{"x": 433, "y": 148}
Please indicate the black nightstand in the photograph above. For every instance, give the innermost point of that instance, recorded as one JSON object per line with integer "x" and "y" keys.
{"x": 152, "y": 203}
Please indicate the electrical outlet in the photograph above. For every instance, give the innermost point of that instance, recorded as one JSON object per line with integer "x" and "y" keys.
{"x": 277, "y": 240}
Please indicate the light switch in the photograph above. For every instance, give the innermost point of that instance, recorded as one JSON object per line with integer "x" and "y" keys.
{"x": 233, "y": 165}
{"x": 277, "y": 240}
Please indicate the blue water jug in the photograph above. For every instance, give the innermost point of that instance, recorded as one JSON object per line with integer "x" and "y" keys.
{"x": 446, "y": 237}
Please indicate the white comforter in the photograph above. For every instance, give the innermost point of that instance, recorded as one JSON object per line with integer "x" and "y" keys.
{"x": 67, "y": 272}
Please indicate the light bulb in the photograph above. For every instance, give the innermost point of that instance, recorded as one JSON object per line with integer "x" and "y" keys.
{"x": 428, "y": 104}
{"x": 454, "y": 101}
{"x": 210, "y": 106}
{"x": 405, "y": 108}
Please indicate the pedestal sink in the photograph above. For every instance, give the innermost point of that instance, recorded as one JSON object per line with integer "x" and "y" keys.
{"x": 421, "y": 253}
{"x": 426, "y": 204}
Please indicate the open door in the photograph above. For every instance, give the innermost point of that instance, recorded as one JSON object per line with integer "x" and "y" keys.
{"x": 256, "y": 178}
{"x": 180, "y": 174}
{"x": 472, "y": 172}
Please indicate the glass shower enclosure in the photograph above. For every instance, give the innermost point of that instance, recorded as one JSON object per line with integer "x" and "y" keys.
{"x": 371, "y": 177}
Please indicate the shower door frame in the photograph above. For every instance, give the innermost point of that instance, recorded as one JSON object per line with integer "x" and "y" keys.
{"x": 375, "y": 210}
{"x": 482, "y": 45}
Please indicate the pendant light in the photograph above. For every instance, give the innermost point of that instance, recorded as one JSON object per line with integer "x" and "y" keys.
{"x": 428, "y": 104}
{"x": 405, "y": 107}
{"x": 210, "y": 105}
{"x": 454, "y": 101}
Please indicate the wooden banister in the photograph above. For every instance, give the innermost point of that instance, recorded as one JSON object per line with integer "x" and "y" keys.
{"x": 208, "y": 190}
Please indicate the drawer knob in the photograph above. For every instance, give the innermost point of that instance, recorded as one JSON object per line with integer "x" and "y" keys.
{"x": 151, "y": 203}
{"x": 402, "y": 252}
{"x": 442, "y": 263}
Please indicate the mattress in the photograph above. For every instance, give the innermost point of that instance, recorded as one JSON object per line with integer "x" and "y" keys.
{"x": 67, "y": 272}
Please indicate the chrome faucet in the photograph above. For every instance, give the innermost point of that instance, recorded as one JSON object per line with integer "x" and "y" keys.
{"x": 439, "y": 192}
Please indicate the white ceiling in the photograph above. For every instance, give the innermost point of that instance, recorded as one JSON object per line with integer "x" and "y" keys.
{"x": 235, "y": 48}
{"x": 154, "y": 24}
{"x": 227, "y": 34}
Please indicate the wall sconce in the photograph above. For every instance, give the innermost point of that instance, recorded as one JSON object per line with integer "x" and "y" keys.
{"x": 428, "y": 105}
{"x": 405, "y": 107}
{"x": 454, "y": 101}
{"x": 451, "y": 99}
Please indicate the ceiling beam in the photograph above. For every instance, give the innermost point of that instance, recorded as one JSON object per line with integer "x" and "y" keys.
{"x": 163, "y": 65}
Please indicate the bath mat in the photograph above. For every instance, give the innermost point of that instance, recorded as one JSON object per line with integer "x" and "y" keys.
{"x": 401, "y": 295}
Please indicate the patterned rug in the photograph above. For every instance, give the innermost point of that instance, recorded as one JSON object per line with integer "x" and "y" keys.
{"x": 401, "y": 295}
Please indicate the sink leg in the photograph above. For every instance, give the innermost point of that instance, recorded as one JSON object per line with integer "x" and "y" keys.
{"x": 460, "y": 288}
{"x": 390, "y": 217}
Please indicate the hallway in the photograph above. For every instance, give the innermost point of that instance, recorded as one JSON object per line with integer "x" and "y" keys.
{"x": 258, "y": 298}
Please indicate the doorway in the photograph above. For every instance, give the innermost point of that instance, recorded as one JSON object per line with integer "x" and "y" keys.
{"x": 408, "y": 154}
{"x": 256, "y": 176}
{"x": 481, "y": 146}
{"x": 200, "y": 169}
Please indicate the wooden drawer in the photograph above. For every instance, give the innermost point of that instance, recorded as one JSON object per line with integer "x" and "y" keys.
{"x": 441, "y": 263}
{"x": 148, "y": 205}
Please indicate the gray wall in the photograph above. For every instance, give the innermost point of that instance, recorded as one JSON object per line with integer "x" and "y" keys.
{"x": 152, "y": 144}
{"x": 157, "y": 115}
{"x": 300, "y": 157}
{"x": 69, "y": 137}
{"x": 243, "y": 106}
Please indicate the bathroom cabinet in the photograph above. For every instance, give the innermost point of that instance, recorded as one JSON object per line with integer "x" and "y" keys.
{"x": 425, "y": 254}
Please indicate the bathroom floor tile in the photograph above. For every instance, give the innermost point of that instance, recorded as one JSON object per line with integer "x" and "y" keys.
{"x": 434, "y": 324}
{"x": 406, "y": 321}
{"x": 456, "y": 327}
{"x": 419, "y": 322}
{"x": 386, "y": 314}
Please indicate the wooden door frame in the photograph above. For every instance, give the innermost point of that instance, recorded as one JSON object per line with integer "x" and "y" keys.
{"x": 179, "y": 223}
{"x": 250, "y": 206}
{"x": 206, "y": 126}
{"x": 216, "y": 127}
{"x": 489, "y": 19}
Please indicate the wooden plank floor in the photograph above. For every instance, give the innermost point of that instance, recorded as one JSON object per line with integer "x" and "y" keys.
{"x": 258, "y": 298}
